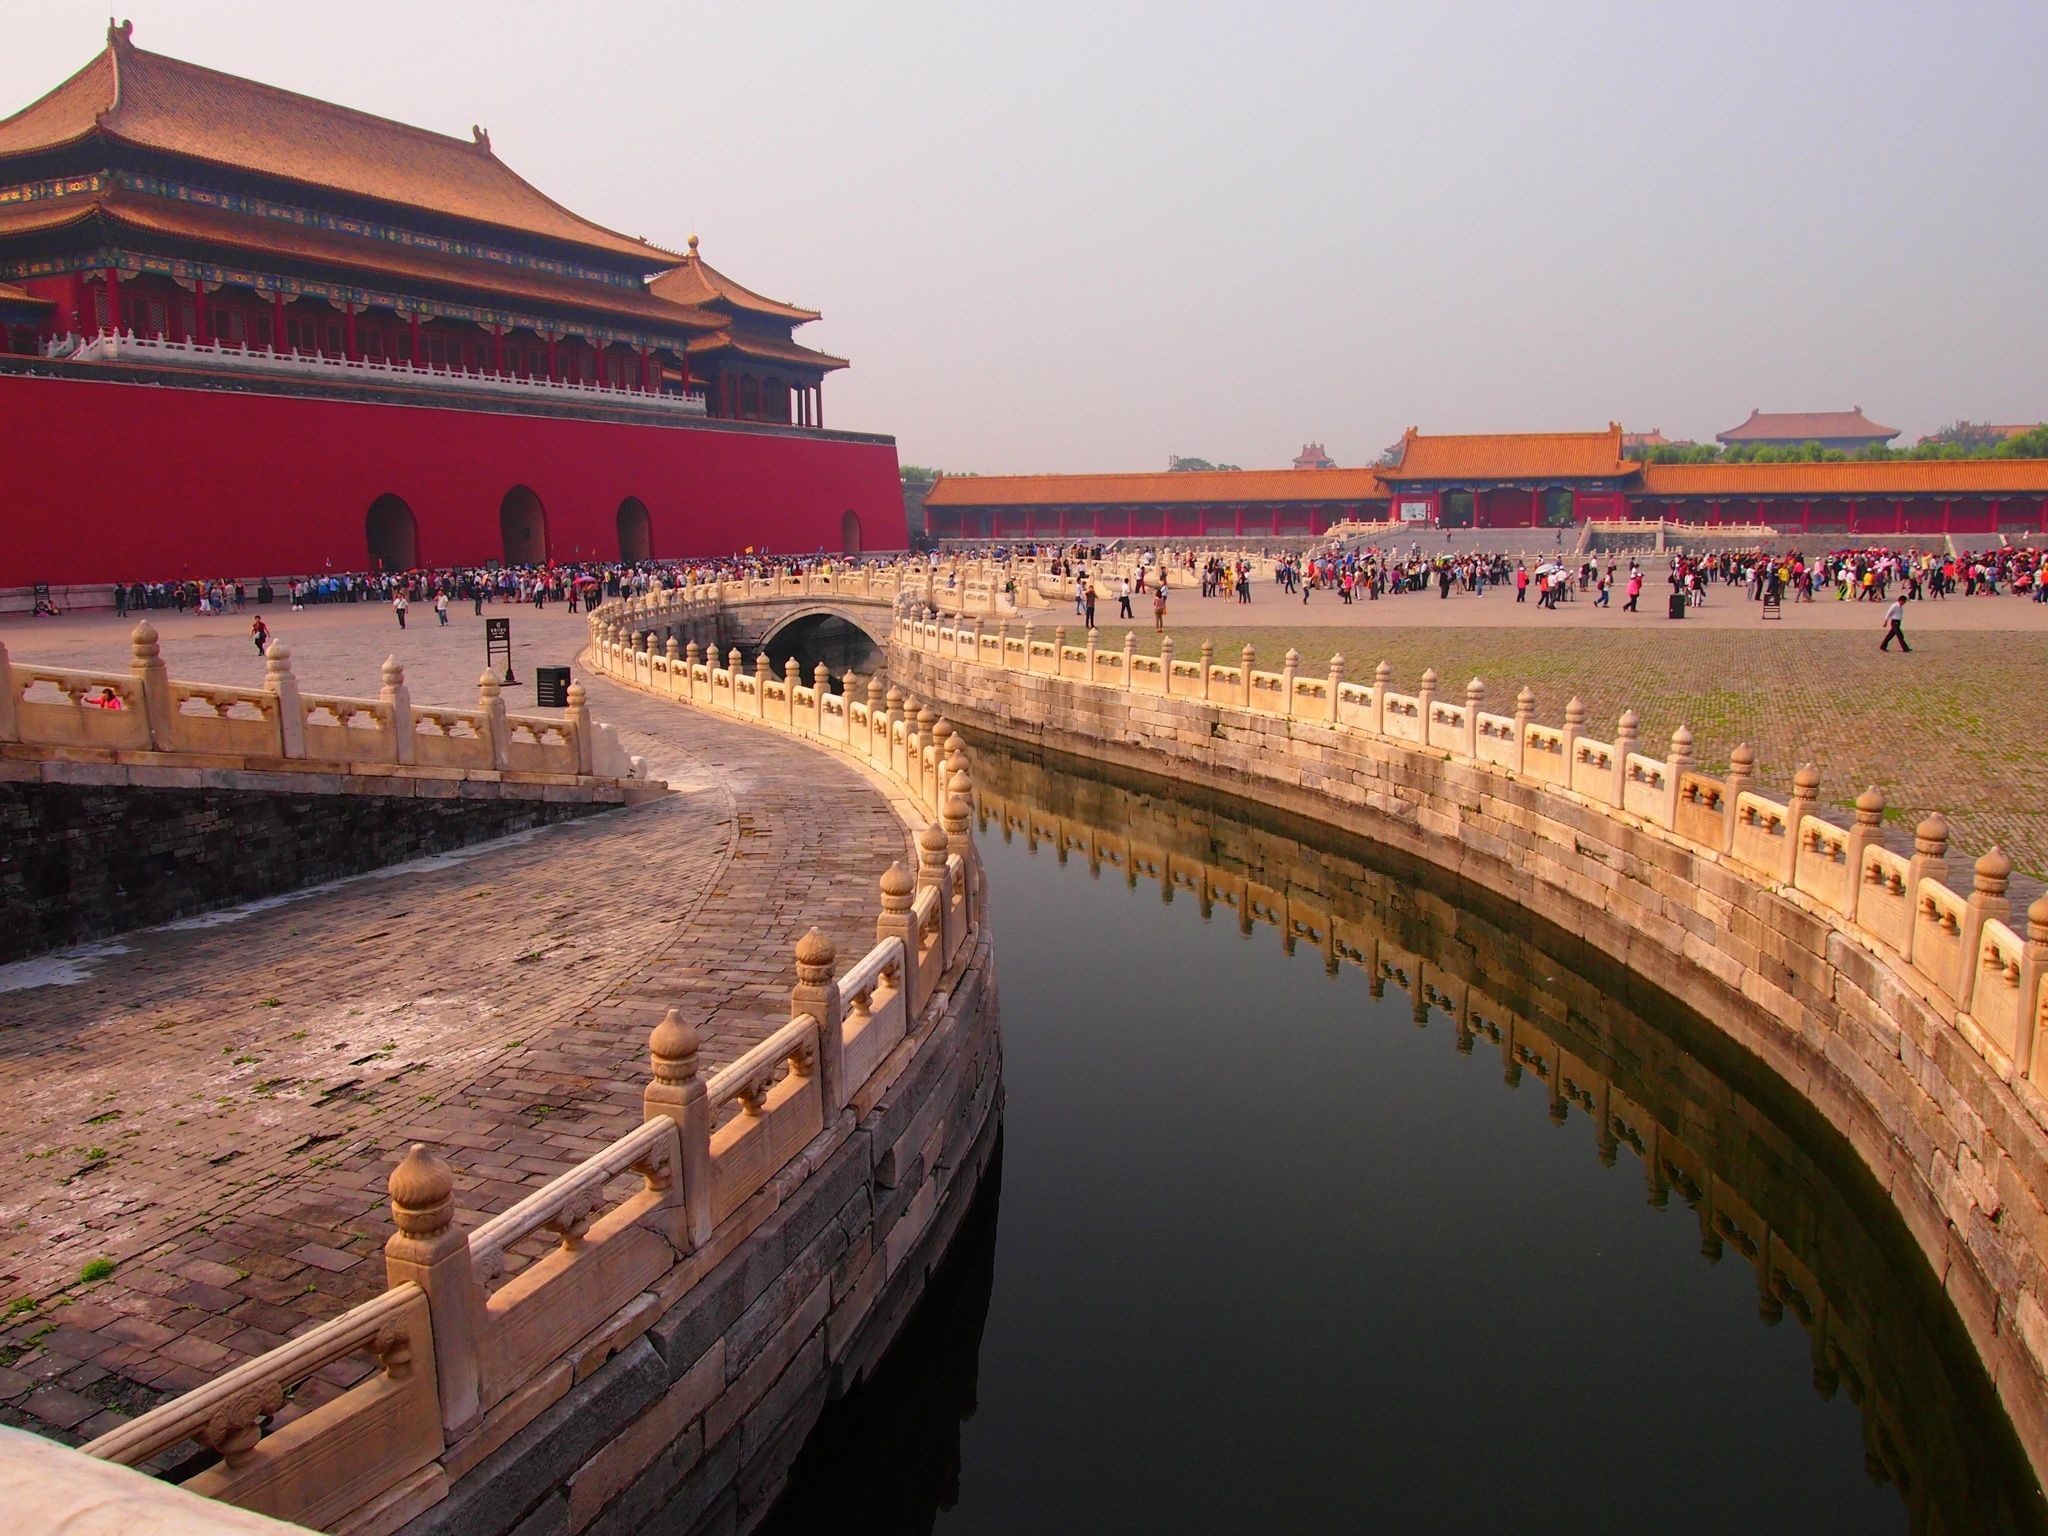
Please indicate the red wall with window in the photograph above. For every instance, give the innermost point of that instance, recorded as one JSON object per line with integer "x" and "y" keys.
{"x": 136, "y": 482}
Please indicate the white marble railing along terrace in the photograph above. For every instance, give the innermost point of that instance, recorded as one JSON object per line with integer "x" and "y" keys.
{"x": 144, "y": 714}
{"x": 472, "y": 1319}
{"x": 126, "y": 347}
{"x": 1960, "y": 949}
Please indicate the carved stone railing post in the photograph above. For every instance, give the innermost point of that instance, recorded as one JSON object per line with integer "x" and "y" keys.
{"x": 761, "y": 685}
{"x": 792, "y": 679}
{"x": 1929, "y": 862}
{"x": 278, "y": 681}
{"x": 821, "y": 686}
{"x": 582, "y": 731}
{"x": 1574, "y": 728}
{"x": 924, "y": 782}
{"x": 1208, "y": 661}
{"x": 678, "y": 1092}
{"x": 1869, "y": 819}
{"x": 1425, "y": 701}
{"x": 932, "y": 849}
{"x": 1626, "y": 731}
{"x": 1247, "y": 659}
{"x": 678, "y": 682}
{"x": 1741, "y": 774}
{"x": 1988, "y": 903}
{"x": 1029, "y": 631}
{"x": 1091, "y": 642}
{"x": 1382, "y": 675}
{"x": 691, "y": 657}
{"x": 432, "y": 1252}
{"x": 1475, "y": 701}
{"x": 817, "y": 993}
{"x": 1130, "y": 656}
{"x": 1678, "y": 764}
{"x": 1804, "y": 801}
{"x": 2033, "y": 978}
{"x": 1290, "y": 669}
{"x": 896, "y": 921}
{"x": 1165, "y": 665}
{"x": 1525, "y": 711}
{"x": 878, "y": 720}
{"x": 490, "y": 699}
{"x": 154, "y": 682}
{"x": 1336, "y": 686}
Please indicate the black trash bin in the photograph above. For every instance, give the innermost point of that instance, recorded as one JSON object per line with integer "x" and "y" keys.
{"x": 551, "y": 687}
{"x": 1678, "y": 605}
{"x": 265, "y": 594}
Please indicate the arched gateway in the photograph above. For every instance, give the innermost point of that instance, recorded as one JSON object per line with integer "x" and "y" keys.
{"x": 523, "y": 527}
{"x": 849, "y": 533}
{"x": 636, "y": 532}
{"x": 393, "y": 534}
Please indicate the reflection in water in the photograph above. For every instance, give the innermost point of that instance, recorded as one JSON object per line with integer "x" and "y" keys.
{"x": 1264, "y": 1262}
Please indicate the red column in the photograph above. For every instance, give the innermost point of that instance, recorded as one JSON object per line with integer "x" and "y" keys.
{"x": 821, "y": 403}
{"x": 683, "y": 355}
{"x": 419, "y": 358}
{"x": 1536, "y": 509}
{"x": 1945, "y": 505}
{"x": 113, "y": 300}
{"x": 201, "y": 321}
{"x": 1806, "y": 517}
{"x": 1238, "y": 523}
{"x": 497, "y": 349}
{"x": 646, "y": 371}
{"x": 1898, "y": 517}
{"x": 277, "y": 341}
{"x": 348, "y": 331}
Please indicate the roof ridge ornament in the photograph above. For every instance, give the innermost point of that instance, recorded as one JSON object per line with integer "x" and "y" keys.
{"x": 122, "y": 33}
{"x": 481, "y": 137}
{"x": 693, "y": 245}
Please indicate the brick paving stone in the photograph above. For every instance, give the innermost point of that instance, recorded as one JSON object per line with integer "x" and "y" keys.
{"x": 247, "y": 1082}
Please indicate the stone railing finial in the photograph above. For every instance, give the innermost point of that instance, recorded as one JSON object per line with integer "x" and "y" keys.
{"x": 1870, "y": 808}
{"x": 422, "y": 1191}
{"x": 815, "y": 956}
{"x": 1993, "y": 872}
{"x": 1930, "y": 838}
{"x": 672, "y": 1048}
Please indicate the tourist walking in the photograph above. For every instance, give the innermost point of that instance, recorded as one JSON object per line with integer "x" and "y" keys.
{"x": 259, "y": 634}
{"x": 1635, "y": 590}
{"x": 1088, "y": 605}
{"x": 1159, "y": 608}
{"x": 1123, "y": 596}
{"x": 441, "y": 606}
{"x": 398, "y": 607}
{"x": 1895, "y": 627}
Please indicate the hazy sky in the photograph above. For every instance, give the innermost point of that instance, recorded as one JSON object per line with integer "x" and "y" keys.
{"x": 1086, "y": 236}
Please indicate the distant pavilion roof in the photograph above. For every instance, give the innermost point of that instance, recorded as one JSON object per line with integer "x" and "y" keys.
{"x": 697, "y": 282}
{"x": 164, "y": 104}
{"x": 1806, "y": 427}
{"x": 1176, "y": 487}
{"x": 1512, "y": 456}
{"x": 1854, "y": 478}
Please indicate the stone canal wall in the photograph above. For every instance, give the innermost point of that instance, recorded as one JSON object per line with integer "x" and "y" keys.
{"x": 88, "y": 858}
{"x": 1907, "y": 1012}
{"x": 129, "y": 798}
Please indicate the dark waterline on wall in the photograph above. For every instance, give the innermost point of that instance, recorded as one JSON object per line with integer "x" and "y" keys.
{"x": 1339, "y": 1196}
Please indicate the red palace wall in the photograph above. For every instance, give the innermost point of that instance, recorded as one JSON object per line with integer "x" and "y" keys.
{"x": 112, "y": 481}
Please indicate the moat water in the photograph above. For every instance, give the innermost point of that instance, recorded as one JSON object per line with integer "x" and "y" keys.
{"x": 1335, "y": 1196}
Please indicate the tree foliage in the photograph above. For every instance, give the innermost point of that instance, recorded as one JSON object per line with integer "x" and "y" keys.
{"x": 1958, "y": 440}
{"x": 1174, "y": 462}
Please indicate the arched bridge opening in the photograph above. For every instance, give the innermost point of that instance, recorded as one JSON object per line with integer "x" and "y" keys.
{"x": 823, "y": 635}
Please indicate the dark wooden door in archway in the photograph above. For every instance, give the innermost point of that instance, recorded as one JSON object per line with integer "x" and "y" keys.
{"x": 393, "y": 535}
{"x": 849, "y": 533}
{"x": 523, "y": 527}
{"x": 636, "y": 531}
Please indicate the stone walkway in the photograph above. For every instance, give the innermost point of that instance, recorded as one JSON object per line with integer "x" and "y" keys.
{"x": 207, "y": 1112}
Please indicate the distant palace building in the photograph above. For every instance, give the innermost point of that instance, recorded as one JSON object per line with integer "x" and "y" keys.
{"x": 1505, "y": 480}
{"x": 371, "y": 345}
{"x": 1847, "y": 430}
{"x": 1312, "y": 456}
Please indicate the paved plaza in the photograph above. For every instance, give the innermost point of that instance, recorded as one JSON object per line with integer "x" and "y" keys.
{"x": 214, "y": 1106}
